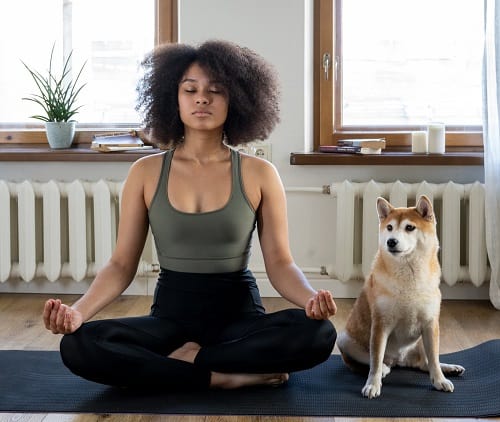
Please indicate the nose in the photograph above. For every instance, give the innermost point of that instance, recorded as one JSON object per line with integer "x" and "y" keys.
{"x": 202, "y": 100}
{"x": 391, "y": 243}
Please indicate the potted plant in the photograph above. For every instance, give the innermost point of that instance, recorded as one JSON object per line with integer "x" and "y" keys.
{"x": 57, "y": 96}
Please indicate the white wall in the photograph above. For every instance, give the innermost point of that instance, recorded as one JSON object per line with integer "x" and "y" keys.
{"x": 280, "y": 30}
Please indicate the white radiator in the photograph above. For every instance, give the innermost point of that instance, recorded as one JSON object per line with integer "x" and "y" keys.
{"x": 459, "y": 210}
{"x": 60, "y": 229}
{"x": 56, "y": 229}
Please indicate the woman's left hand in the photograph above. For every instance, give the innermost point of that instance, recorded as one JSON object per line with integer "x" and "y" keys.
{"x": 321, "y": 305}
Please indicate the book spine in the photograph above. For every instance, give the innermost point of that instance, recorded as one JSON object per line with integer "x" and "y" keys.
{"x": 366, "y": 143}
{"x": 340, "y": 149}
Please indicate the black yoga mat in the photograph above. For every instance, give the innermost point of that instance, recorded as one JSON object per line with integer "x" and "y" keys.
{"x": 37, "y": 381}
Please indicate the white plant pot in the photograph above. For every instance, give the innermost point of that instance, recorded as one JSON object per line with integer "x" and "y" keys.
{"x": 60, "y": 134}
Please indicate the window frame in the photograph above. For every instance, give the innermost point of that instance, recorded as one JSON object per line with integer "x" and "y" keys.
{"x": 166, "y": 30}
{"x": 327, "y": 94}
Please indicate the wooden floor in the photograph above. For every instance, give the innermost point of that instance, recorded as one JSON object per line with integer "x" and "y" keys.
{"x": 463, "y": 324}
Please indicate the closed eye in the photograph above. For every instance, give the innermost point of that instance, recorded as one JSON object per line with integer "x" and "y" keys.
{"x": 212, "y": 91}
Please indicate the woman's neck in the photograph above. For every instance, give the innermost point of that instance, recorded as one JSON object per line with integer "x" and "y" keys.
{"x": 202, "y": 147}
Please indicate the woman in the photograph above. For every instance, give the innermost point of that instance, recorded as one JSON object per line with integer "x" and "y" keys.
{"x": 203, "y": 199}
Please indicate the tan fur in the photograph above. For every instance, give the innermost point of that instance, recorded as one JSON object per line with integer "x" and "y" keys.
{"x": 395, "y": 320}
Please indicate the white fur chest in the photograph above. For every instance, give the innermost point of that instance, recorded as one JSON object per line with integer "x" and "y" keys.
{"x": 405, "y": 313}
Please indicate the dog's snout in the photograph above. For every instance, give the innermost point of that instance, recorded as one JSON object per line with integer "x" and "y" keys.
{"x": 391, "y": 243}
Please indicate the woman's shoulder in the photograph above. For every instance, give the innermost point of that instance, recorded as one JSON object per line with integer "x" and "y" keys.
{"x": 146, "y": 167}
{"x": 149, "y": 161}
{"x": 257, "y": 165}
{"x": 144, "y": 174}
{"x": 259, "y": 171}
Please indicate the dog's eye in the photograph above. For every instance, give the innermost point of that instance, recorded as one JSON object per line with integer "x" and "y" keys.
{"x": 389, "y": 227}
{"x": 409, "y": 228}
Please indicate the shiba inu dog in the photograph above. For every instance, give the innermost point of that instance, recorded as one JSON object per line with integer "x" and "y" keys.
{"x": 395, "y": 320}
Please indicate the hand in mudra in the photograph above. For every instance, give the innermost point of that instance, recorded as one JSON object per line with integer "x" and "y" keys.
{"x": 321, "y": 305}
{"x": 60, "y": 318}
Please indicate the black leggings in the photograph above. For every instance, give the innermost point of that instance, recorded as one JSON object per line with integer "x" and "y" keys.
{"x": 221, "y": 312}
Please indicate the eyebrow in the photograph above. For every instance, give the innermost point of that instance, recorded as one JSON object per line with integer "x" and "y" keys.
{"x": 196, "y": 80}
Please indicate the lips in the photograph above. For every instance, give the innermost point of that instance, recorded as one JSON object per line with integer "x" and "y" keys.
{"x": 201, "y": 113}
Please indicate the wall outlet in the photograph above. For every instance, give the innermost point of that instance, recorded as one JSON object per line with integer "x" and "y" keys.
{"x": 262, "y": 150}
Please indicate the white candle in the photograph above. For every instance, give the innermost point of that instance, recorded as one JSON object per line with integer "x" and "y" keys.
{"x": 419, "y": 142}
{"x": 436, "y": 138}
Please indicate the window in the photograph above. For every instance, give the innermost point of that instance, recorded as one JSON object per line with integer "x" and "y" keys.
{"x": 393, "y": 67}
{"x": 112, "y": 37}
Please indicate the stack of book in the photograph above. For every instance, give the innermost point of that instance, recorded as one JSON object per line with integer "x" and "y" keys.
{"x": 356, "y": 146}
{"x": 124, "y": 141}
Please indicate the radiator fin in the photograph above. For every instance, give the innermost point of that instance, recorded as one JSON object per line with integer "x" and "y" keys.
{"x": 5, "y": 247}
{"x": 51, "y": 230}
{"x": 26, "y": 230}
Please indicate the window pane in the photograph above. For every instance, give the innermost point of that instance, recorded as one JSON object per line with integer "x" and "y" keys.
{"x": 25, "y": 34}
{"x": 411, "y": 62}
{"x": 112, "y": 36}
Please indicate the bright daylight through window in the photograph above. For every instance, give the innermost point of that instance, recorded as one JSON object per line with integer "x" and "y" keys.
{"x": 112, "y": 36}
{"x": 406, "y": 63}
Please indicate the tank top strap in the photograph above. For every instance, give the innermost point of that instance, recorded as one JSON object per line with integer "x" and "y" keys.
{"x": 237, "y": 185}
{"x": 235, "y": 170}
{"x": 165, "y": 170}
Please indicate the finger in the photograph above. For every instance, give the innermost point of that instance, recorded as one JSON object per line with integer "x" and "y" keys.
{"x": 68, "y": 322}
{"x": 55, "y": 307}
{"x": 328, "y": 303}
{"x": 333, "y": 307}
{"x": 47, "y": 309}
{"x": 318, "y": 313}
{"x": 53, "y": 313}
{"x": 319, "y": 307}
{"x": 61, "y": 313}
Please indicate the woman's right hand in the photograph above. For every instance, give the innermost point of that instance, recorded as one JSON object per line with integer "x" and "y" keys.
{"x": 60, "y": 318}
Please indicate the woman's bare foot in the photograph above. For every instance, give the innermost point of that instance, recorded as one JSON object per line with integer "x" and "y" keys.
{"x": 231, "y": 381}
{"x": 187, "y": 352}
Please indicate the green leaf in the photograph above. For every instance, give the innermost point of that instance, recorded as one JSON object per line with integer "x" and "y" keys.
{"x": 56, "y": 95}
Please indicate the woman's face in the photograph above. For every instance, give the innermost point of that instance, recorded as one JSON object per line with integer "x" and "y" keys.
{"x": 203, "y": 103}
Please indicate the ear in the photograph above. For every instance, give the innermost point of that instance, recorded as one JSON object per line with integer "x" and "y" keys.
{"x": 383, "y": 208}
{"x": 424, "y": 208}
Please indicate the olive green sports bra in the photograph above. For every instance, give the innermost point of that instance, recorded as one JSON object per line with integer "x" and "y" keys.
{"x": 206, "y": 242}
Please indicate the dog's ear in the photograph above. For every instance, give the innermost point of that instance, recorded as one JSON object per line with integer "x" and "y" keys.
{"x": 383, "y": 208}
{"x": 424, "y": 208}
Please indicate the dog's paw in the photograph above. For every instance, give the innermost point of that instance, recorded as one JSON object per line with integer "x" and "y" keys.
{"x": 371, "y": 389}
{"x": 450, "y": 369}
{"x": 443, "y": 384}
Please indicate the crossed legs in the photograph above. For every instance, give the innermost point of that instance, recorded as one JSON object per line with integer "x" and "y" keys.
{"x": 155, "y": 352}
